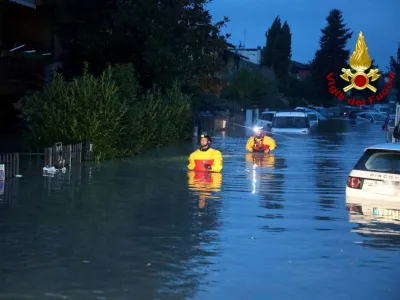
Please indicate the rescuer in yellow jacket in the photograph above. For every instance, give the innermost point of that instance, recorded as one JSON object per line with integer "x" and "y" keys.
{"x": 260, "y": 142}
{"x": 205, "y": 158}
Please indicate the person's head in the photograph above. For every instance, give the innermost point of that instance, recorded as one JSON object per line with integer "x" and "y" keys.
{"x": 205, "y": 140}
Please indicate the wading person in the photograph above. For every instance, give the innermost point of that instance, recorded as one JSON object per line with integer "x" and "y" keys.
{"x": 260, "y": 142}
{"x": 205, "y": 158}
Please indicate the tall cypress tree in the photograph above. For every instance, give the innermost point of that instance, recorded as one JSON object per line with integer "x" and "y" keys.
{"x": 332, "y": 55}
{"x": 281, "y": 62}
{"x": 271, "y": 35}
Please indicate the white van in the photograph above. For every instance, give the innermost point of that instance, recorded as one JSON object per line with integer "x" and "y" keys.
{"x": 265, "y": 119}
{"x": 291, "y": 122}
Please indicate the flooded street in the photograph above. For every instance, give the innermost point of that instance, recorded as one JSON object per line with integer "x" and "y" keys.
{"x": 145, "y": 228}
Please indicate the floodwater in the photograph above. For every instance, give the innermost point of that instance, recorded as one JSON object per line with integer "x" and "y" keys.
{"x": 274, "y": 227}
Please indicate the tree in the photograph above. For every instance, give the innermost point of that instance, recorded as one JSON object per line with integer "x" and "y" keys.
{"x": 278, "y": 51}
{"x": 394, "y": 66}
{"x": 165, "y": 40}
{"x": 332, "y": 55}
{"x": 282, "y": 60}
{"x": 271, "y": 35}
{"x": 250, "y": 87}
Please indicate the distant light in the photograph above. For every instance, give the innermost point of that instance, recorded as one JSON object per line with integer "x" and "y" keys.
{"x": 16, "y": 48}
{"x": 30, "y": 51}
{"x": 386, "y": 79}
{"x": 46, "y": 54}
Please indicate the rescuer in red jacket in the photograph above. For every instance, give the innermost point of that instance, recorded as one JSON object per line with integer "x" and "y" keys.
{"x": 205, "y": 158}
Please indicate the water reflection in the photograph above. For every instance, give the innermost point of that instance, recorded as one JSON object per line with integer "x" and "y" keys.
{"x": 9, "y": 189}
{"x": 377, "y": 221}
{"x": 205, "y": 185}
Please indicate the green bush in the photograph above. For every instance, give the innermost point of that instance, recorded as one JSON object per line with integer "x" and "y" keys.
{"x": 111, "y": 111}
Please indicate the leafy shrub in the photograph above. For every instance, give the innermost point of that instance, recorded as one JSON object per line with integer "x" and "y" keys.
{"x": 110, "y": 111}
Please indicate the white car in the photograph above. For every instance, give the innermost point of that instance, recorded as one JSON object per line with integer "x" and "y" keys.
{"x": 265, "y": 119}
{"x": 376, "y": 175}
{"x": 306, "y": 109}
{"x": 291, "y": 122}
{"x": 371, "y": 117}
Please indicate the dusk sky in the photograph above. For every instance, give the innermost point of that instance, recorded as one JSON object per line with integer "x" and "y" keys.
{"x": 378, "y": 20}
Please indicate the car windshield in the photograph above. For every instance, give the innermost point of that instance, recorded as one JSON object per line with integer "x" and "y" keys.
{"x": 290, "y": 122}
{"x": 384, "y": 161}
{"x": 312, "y": 117}
{"x": 267, "y": 117}
{"x": 379, "y": 117}
{"x": 385, "y": 109}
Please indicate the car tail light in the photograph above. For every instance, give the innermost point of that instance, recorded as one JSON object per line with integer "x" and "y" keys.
{"x": 354, "y": 182}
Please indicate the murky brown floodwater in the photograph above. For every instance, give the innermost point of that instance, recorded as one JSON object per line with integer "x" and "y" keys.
{"x": 143, "y": 229}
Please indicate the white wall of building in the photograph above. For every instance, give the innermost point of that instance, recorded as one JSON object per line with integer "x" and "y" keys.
{"x": 254, "y": 55}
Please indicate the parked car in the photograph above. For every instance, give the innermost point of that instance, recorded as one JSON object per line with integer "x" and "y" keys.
{"x": 353, "y": 114}
{"x": 265, "y": 119}
{"x": 312, "y": 118}
{"x": 306, "y": 109}
{"x": 371, "y": 117}
{"x": 291, "y": 122}
{"x": 345, "y": 110}
{"x": 376, "y": 175}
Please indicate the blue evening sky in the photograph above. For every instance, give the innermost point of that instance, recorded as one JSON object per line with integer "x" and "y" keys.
{"x": 379, "y": 20}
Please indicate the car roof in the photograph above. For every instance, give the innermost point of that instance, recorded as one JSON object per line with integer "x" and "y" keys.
{"x": 386, "y": 146}
{"x": 268, "y": 112}
{"x": 290, "y": 114}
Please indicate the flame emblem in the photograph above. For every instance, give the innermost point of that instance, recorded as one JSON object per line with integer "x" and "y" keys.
{"x": 360, "y": 61}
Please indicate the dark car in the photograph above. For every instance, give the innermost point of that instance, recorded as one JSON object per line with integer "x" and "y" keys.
{"x": 353, "y": 114}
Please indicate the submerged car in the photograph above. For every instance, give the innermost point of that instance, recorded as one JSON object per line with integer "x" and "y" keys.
{"x": 372, "y": 117}
{"x": 376, "y": 175}
{"x": 265, "y": 119}
{"x": 312, "y": 118}
{"x": 307, "y": 110}
{"x": 291, "y": 122}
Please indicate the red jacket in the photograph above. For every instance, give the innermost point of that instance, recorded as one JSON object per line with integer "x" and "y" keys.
{"x": 258, "y": 143}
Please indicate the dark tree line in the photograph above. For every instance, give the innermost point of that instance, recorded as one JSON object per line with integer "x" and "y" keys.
{"x": 164, "y": 39}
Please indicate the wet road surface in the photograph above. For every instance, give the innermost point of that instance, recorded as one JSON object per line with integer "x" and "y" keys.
{"x": 271, "y": 227}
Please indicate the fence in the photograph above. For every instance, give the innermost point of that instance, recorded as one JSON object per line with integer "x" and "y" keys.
{"x": 10, "y": 161}
{"x": 67, "y": 155}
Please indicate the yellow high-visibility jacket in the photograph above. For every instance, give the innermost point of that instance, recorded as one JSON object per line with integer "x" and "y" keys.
{"x": 199, "y": 158}
{"x": 266, "y": 140}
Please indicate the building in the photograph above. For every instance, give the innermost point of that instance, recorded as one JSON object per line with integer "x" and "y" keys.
{"x": 27, "y": 44}
{"x": 252, "y": 55}
{"x": 299, "y": 70}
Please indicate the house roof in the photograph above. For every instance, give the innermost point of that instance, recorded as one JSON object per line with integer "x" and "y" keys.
{"x": 27, "y": 3}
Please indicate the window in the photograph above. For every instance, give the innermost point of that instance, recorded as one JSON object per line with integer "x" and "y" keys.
{"x": 312, "y": 117}
{"x": 384, "y": 161}
{"x": 385, "y": 109}
{"x": 267, "y": 117}
{"x": 291, "y": 122}
{"x": 379, "y": 117}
